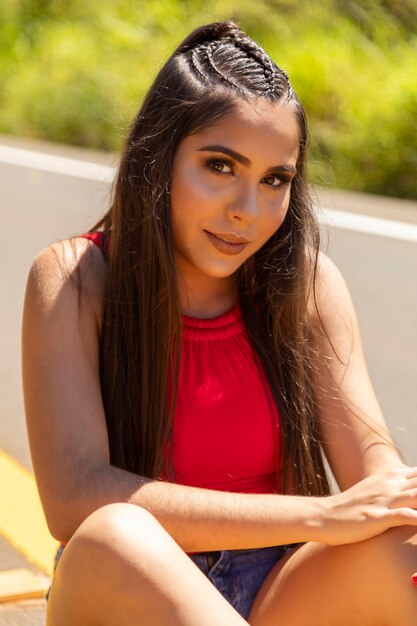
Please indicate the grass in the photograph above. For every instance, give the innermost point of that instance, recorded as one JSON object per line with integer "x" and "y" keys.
{"x": 75, "y": 72}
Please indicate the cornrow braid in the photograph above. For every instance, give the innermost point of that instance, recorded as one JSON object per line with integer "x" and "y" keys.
{"x": 209, "y": 52}
{"x": 273, "y": 73}
{"x": 252, "y": 50}
{"x": 196, "y": 66}
{"x": 276, "y": 82}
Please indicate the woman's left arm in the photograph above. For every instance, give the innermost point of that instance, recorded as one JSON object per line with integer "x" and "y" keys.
{"x": 356, "y": 440}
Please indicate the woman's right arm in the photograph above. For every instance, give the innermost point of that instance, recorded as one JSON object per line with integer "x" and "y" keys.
{"x": 69, "y": 442}
{"x": 64, "y": 413}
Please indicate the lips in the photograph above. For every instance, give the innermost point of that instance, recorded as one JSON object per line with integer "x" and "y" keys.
{"x": 230, "y": 237}
{"x": 227, "y": 246}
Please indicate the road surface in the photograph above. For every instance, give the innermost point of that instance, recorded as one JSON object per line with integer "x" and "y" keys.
{"x": 38, "y": 206}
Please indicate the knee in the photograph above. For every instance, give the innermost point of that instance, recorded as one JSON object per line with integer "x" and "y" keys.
{"x": 395, "y": 550}
{"x": 120, "y": 528}
{"x": 390, "y": 557}
{"x": 118, "y": 521}
{"x": 113, "y": 541}
{"x": 114, "y": 557}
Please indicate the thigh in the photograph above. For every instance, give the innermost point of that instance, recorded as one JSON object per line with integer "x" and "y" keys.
{"x": 350, "y": 585}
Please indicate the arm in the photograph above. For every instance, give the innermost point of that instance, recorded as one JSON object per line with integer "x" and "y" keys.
{"x": 68, "y": 435}
{"x": 357, "y": 441}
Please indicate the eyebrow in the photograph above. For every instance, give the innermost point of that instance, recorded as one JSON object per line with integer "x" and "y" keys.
{"x": 244, "y": 160}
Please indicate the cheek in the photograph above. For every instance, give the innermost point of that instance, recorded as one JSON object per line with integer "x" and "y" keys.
{"x": 177, "y": 194}
{"x": 189, "y": 191}
{"x": 277, "y": 213}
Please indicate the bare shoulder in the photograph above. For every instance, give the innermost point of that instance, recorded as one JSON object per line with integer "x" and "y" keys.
{"x": 68, "y": 271}
{"x": 329, "y": 279}
{"x": 330, "y": 299}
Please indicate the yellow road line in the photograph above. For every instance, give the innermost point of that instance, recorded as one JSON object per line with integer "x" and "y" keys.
{"x": 22, "y": 520}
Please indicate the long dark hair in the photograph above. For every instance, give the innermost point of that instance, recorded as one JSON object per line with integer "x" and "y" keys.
{"x": 216, "y": 66}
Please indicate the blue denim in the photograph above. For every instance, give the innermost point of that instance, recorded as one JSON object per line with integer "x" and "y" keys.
{"x": 236, "y": 574}
{"x": 239, "y": 574}
{"x": 56, "y": 561}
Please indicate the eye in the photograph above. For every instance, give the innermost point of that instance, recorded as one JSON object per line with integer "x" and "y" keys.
{"x": 275, "y": 180}
{"x": 220, "y": 166}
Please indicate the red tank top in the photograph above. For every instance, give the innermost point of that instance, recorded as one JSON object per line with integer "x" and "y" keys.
{"x": 226, "y": 432}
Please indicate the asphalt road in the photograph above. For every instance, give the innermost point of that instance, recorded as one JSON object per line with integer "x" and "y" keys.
{"x": 38, "y": 207}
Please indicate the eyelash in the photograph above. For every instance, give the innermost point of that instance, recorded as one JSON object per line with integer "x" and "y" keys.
{"x": 212, "y": 163}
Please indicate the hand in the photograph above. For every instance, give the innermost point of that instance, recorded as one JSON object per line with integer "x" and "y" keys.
{"x": 371, "y": 506}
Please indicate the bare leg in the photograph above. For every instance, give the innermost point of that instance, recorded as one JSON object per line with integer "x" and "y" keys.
{"x": 366, "y": 583}
{"x": 121, "y": 567}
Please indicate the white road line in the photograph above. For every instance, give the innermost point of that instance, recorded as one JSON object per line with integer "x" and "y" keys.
{"x": 368, "y": 224}
{"x": 56, "y": 164}
{"x": 105, "y": 173}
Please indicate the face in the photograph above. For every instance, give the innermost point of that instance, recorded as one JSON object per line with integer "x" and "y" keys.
{"x": 231, "y": 187}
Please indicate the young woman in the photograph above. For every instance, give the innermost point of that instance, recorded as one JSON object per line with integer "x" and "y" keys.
{"x": 187, "y": 363}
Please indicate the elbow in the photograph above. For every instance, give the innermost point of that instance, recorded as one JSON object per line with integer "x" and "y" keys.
{"x": 61, "y": 522}
{"x": 67, "y": 511}
{"x": 61, "y": 532}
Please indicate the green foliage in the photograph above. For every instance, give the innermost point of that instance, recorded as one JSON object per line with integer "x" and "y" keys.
{"x": 75, "y": 71}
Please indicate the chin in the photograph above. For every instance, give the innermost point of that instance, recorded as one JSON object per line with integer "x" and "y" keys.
{"x": 222, "y": 271}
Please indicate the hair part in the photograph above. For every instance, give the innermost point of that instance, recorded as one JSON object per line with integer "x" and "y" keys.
{"x": 213, "y": 69}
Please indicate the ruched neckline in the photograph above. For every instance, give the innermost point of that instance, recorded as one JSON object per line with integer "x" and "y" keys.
{"x": 219, "y": 327}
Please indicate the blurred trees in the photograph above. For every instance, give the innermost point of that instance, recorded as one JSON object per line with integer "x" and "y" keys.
{"x": 75, "y": 71}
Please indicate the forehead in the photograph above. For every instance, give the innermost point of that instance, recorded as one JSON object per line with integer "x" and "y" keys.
{"x": 260, "y": 129}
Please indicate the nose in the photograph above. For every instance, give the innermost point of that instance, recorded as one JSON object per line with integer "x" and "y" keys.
{"x": 245, "y": 207}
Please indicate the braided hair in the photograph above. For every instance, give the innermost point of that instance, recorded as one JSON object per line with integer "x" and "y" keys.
{"x": 221, "y": 54}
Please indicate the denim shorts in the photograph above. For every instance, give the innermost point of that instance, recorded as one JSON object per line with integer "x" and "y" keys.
{"x": 56, "y": 561}
{"x": 239, "y": 574}
{"x": 236, "y": 574}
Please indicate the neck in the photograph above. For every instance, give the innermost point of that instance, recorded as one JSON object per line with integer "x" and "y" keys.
{"x": 207, "y": 298}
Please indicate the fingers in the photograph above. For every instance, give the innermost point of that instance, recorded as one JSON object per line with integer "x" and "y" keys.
{"x": 410, "y": 482}
{"x": 402, "y": 517}
{"x": 407, "y": 498}
{"x": 410, "y": 472}
{"x": 401, "y": 482}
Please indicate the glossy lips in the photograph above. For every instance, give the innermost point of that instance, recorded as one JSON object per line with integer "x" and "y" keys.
{"x": 227, "y": 247}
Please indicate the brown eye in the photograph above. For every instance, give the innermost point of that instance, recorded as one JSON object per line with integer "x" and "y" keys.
{"x": 219, "y": 166}
{"x": 274, "y": 181}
